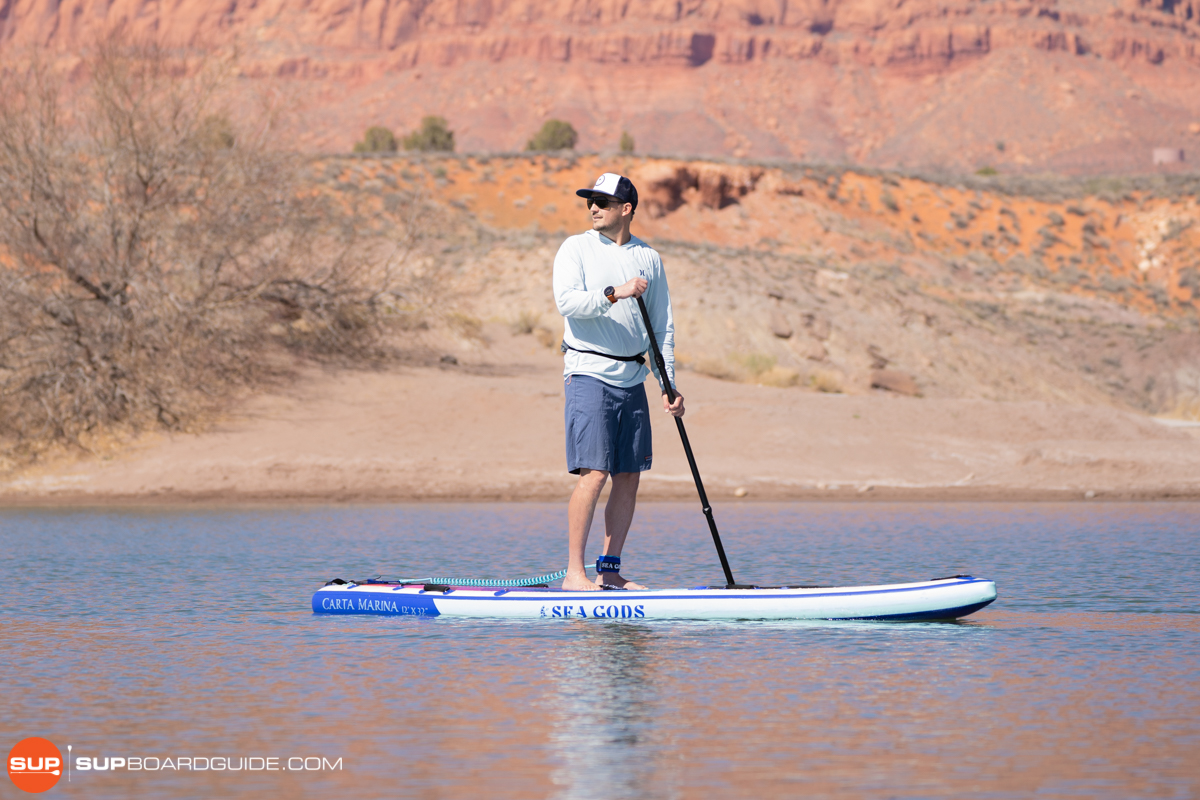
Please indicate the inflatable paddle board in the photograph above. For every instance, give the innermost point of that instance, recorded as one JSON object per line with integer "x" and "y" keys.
{"x": 938, "y": 599}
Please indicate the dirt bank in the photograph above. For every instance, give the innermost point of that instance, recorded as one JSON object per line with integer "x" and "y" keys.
{"x": 490, "y": 428}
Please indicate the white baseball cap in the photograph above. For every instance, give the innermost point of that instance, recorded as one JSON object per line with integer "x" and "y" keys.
{"x": 613, "y": 185}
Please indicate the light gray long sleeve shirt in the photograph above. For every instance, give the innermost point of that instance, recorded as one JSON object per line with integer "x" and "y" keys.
{"x": 585, "y": 265}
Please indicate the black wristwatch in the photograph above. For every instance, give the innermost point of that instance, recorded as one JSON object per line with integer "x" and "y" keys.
{"x": 609, "y": 292}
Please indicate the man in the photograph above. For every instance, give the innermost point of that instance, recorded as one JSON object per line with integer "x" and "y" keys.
{"x": 597, "y": 275}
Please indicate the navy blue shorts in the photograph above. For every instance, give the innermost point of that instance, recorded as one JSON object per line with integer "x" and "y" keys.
{"x": 608, "y": 427}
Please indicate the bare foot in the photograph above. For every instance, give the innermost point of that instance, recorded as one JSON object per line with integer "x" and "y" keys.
{"x": 609, "y": 579}
{"x": 578, "y": 582}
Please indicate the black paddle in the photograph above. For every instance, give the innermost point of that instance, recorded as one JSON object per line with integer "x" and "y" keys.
{"x": 687, "y": 448}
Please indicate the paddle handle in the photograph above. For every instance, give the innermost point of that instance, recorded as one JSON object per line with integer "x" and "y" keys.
{"x": 687, "y": 446}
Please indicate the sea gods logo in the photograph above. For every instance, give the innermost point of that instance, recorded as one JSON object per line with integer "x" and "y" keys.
{"x": 35, "y": 764}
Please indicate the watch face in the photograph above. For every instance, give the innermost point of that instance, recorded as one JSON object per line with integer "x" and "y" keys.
{"x": 608, "y": 291}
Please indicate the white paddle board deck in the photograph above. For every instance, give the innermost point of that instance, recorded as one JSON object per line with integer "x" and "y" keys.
{"x": 945, "y": 598}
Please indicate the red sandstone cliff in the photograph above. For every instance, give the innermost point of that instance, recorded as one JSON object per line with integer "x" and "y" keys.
{"x": 1020, "y": 85}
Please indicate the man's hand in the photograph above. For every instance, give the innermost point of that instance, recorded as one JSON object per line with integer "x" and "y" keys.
{"x": 674, "y": 409}
{"x": 632, "y": 288}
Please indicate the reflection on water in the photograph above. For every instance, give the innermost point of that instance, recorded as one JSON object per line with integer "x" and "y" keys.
{"x": 189, "y": 633}
{"x": 603, "y": 707}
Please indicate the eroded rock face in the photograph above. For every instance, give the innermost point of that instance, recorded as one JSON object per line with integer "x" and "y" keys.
{"x": 709, "y": 185}
{"x": 1020, "y": 85}
{"x": 957, "y": 286}
{"x": 894, "y": 381}
{"x": 779, "y": 324}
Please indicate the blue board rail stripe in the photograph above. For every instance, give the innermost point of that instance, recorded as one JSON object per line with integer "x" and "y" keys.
{"x": 916, "y": 616}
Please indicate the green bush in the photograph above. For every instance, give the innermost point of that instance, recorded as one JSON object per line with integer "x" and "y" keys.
{"x": 554, "y": 135}
{"x": 377, "y": 139}
{"x": 626, "y": 142}
{"x": 433, "y": 135}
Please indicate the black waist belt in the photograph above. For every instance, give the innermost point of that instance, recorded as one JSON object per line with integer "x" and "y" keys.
{"x": 639, "y": 359}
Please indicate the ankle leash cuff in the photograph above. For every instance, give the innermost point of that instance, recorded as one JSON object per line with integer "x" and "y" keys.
{"x": 608, "y": 564}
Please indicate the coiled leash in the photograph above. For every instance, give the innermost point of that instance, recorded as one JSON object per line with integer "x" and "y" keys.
{"x": 534, "y": 581}
{"x": 610, "y": 565}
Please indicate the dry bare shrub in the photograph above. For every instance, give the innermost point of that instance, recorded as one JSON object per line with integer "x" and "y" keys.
{"x": 149, "y": 246}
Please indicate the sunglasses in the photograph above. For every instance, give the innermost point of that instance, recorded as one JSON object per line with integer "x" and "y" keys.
{"x": 602, "y": 202}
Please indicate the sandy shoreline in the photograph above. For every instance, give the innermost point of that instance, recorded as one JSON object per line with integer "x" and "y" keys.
{"x": 481, "y": 431}
{"x": 274, "y": 501}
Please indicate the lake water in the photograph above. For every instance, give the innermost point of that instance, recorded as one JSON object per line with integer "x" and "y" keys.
{"x": 188, "y": 634}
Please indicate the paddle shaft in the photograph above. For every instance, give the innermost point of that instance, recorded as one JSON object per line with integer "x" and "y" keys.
{"x": 687, "y": 447}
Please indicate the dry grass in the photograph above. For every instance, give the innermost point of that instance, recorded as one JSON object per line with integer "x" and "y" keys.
{"x": 465, "y": 325}
{"x": 524, "y": 323}
{"x": 717, "y": 368}
{"x": 754, "y": 365}
{"x": 781, "y": 377}
{"x": 824, "y": 380}
{"x": 547, "y": 338}
{"x": 1185, "y": 408}
{"x": 748, "y": 368}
